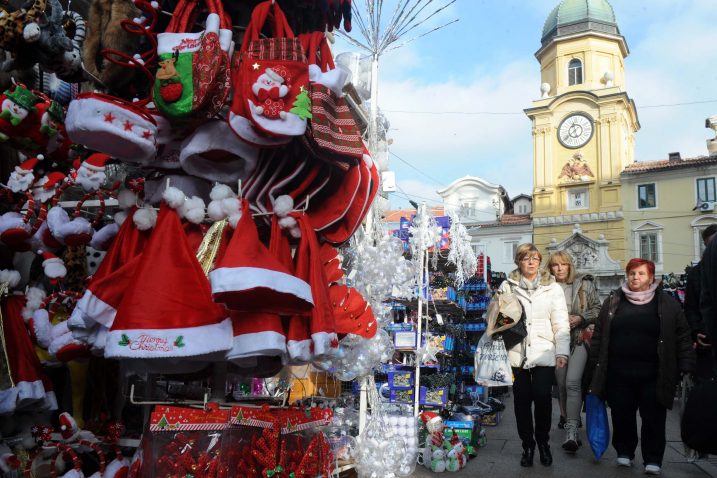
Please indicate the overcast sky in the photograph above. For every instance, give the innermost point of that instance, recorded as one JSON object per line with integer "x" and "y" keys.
{"x": 455, "y": 98}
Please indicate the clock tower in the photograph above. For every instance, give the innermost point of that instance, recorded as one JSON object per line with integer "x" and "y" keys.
{"x": 583, "y": 127}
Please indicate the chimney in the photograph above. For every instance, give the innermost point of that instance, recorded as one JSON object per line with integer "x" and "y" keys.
{"x": 675, "y": 156}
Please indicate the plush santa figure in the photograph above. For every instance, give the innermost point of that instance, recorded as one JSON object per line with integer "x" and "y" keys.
{"x": 91, "y": 173}
{"x": 270, "y": 88}
{"x": 23, "y": 177}
{"x": 46, "y": 187}
{"x": 53, "y": 266}
{"x": 71, "y": 432}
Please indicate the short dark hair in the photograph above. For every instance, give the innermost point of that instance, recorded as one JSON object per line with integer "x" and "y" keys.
{"x": 709, "y": 231}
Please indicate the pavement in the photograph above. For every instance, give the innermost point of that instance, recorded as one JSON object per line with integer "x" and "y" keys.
{"x": 501, "y": 456}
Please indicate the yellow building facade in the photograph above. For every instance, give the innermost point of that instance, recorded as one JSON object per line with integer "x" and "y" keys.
{"x": 583, "y": 127}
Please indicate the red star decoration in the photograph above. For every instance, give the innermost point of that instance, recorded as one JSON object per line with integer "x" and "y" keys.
{"x": 147, "y": 134}
{"x": 127, "y": 126}
{"x": 109, "y": 118}
{"x": 334, "y": 343}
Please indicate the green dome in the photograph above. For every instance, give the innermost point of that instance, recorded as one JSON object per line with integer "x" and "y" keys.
{"x": 575, "y": 16}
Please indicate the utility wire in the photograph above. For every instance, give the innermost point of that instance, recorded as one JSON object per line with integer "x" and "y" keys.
{"x": 415, "y": 168}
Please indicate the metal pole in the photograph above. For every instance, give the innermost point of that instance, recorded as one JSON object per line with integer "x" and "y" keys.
{"x": 363, "y": 404}
{"x": 373, "y": 119}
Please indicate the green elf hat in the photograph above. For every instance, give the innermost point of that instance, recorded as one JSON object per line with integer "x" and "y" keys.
{"x": 56, "y": 111}
{"x": 23, "y": 97}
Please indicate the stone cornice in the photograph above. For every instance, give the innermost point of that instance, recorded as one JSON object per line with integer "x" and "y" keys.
{"x": 577, "y": 218}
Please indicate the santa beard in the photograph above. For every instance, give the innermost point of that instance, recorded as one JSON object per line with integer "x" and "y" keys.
{"x": 20, "y": 182}
{"x": 90, "y": 180}
{"x": 40, "y": 194}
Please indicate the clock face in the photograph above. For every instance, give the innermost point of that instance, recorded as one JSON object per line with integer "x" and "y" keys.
{"x": 575, "y": 130}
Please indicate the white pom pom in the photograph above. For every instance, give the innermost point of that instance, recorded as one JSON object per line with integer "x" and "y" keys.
{"x": 174, "y": 197}
{"x": 234, "y": 219}
{"x": 54, "y": 269}
{"x": 154, "y": 4}
{"x": 221, "y": 191}
{"x": 138, "y": 20}
{"x": 40, "y": 157}
{"x": 283, "y": 205}
{"x": 126, "y": 198}
{"x": 31, "y": 32}
{"x": 295, "y": 232}
{"x": 145, "y": 218}
{"x": 231, "y": 205}
{"x": 10, "y": 276}
{"x": 287, "y": 222}
{"x": 120, "y": 216}
{"x": 215, "y": 211}
{"x": 193, "y": 210}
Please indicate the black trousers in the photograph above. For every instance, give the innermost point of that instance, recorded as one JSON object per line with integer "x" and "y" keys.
{"x": 533, "y": 399}
{"x": 625, "y": 398}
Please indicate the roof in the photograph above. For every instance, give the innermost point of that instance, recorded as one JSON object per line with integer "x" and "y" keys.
{"x": 509, "y": 220}
{"x": 396, "y": 214}
{"x": 575, "y": 16}
{"x": 669, "y": 165}
{"x": 519, "y": 196}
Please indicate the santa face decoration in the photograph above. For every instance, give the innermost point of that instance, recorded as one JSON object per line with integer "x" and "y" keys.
{"x": 269, "y": 89}
{"x": 89, "y": 179}
{"x": 12, "y": 112}
{"x": 20, "y": 180}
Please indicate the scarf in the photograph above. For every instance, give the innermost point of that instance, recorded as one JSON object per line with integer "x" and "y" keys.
{"x": 529, "y": 285}
{"x": 641, "y": 297}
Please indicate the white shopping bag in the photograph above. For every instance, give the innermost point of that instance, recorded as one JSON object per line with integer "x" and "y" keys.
{"x": 492, "y": 367}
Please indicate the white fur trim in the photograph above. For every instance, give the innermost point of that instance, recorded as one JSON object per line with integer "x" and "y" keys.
{"x": 98, "y": 339}
{"x": 33, "y": 299}
{"x": 145, "y": 218}
{"x": 266, "y": 343}
{"x": 334, "y": 79}
{"x": 22, "y": 394}
{"x": 159, "y": 343}
{"x": 78, "y": 225}
{"x": 73, "y": 474}
{"x": 244, "y": 129}
{"x": 299, "y": 351}
{"x": 174, "y": 197}
{"x": 10, "y": 276}
{"x": 54, "y": 268}
{"x": 225, "y": 279}
{"x": 42, "y": 327}
{"x": 86, "y": 124}
{"x": 239, "y": 160}
{"x": 289, "y": 125}
{"x": 101, "y": 237}
{"x": 126, "y": 198}
{"x": 60, "y": 329}
{"x": 120, "y": 217}
{"x": 221, "y": 191}
{"x": 56, "y": 217}
{"x": 283, "y": 205}
{"x": 184, "y": 42}
{"x": 49, "y": 401}
{"x": 95, "y": 310}
{"x": 13, "y": 220}
{"x": 322, "y": 344}
{"x": 215, "y": 211}
{"x": 61, "y": 342}
{"x": 193, "y": 210}
{"x": 115, "y": 466}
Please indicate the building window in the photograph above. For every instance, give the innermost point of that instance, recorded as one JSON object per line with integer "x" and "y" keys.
{"x": 706, "y": 190}
{"x": 648, "y": 246}
{"x": 646, "y": 197}
{"x": 478, "y": 249}
{"x": 509, "y": 249}
{"x": 578, "y": 199}
{"x": 575, "y": 72}
{"x": 698, "y": 225}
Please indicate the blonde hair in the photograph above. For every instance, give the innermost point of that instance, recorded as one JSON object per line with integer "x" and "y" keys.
{"x": 525, "y": 249}
{"x": 562, "y": 257}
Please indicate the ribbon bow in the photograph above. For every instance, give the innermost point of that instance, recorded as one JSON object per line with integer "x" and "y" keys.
{"x": 272, "y": 93}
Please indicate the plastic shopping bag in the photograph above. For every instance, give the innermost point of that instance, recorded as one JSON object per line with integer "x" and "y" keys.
{"x": 492, "y": 367}
{"x": 598, "y": 428}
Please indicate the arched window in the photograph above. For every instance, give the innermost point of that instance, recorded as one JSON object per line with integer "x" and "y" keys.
{"x": 575, "y": 72}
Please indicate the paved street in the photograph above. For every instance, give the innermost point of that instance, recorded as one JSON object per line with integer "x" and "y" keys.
{"x": 501, "y": 457}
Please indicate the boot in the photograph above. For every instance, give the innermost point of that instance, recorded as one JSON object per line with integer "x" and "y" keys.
{"x": 546, "y": 458}
{"x": 571, "y": 443}
{"x": 527, "y": 458}
{"x": 561, "y": 422}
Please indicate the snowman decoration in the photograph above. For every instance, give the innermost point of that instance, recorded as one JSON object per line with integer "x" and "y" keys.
{"x": 270, "y": 88}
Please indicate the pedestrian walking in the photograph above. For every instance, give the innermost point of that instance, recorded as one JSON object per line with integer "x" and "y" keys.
{"x": 583, "y": 304}
{"x": 708, "y": 297}
{"x": 641, "y": 342}
{"x": 545, "y": 345}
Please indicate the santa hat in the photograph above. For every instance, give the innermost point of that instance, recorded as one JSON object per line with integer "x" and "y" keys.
{"x": 54, "y": 179}
{"x": 96, "y": 162}
{"x": 52, "y": 265}
{"x": 117, "y": 468}
{"x": 76, "y": 232}
{"x": 68, "y": 427}
{"x": 352, "y": 313}
{"x": 334, "y": 200}
{"x": 274, "y": 75}
{"x": 14, "y": 230}
{"x": 64, "y": 346}
{"x": 167, "y": 311}
{"x": 215, "y": 153}
{"x": 310, "y": 268}
{"x": 247, "y": 278}
{"x": 27, "y": 166}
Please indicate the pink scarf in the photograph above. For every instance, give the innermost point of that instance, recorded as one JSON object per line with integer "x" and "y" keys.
{"x": 641, "y": 297}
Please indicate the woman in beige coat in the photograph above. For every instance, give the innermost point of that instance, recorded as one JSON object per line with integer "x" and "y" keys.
{"x": 546, "y": 346}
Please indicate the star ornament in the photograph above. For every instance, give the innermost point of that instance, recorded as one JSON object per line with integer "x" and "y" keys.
{"x": 109, "y": 118}
{"x": 255, "y": 66}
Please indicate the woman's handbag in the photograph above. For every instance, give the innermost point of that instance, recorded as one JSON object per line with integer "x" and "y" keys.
{"x": 699, "y": 418}
{"x": 598, "y": 428}
{"x": 492, "y": 367}
{"x": 506, "y": 319}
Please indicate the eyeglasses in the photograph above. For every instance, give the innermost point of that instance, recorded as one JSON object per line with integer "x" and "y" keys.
{"x": 531, "y": 259}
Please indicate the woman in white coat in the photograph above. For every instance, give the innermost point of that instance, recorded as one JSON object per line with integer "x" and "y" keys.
{"x": 545, "y": 346}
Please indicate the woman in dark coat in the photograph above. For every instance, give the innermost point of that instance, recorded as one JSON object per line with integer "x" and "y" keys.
{"x": 641, "y": 343}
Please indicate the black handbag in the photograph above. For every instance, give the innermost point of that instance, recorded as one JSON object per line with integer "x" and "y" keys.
{"x": 699, "y": 420}
{"x": 514, "y": 335}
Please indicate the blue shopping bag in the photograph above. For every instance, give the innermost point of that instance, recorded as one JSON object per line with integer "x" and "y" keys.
{"x": 598, "y": 428}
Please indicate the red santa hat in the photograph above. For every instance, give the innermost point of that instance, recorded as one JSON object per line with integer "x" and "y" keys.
{"x": 352, "y": 313}
{"x": 69, "y": 429}
{"x": 334, "y": 200}
{"x": 27, "y": 166}
{"x": 96, "y": 162}
{"x": 54, "y": 179}
{"x": 247, "y": 278}
{"x": 52, "y": 265}
{"x": 167, "y": 311}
